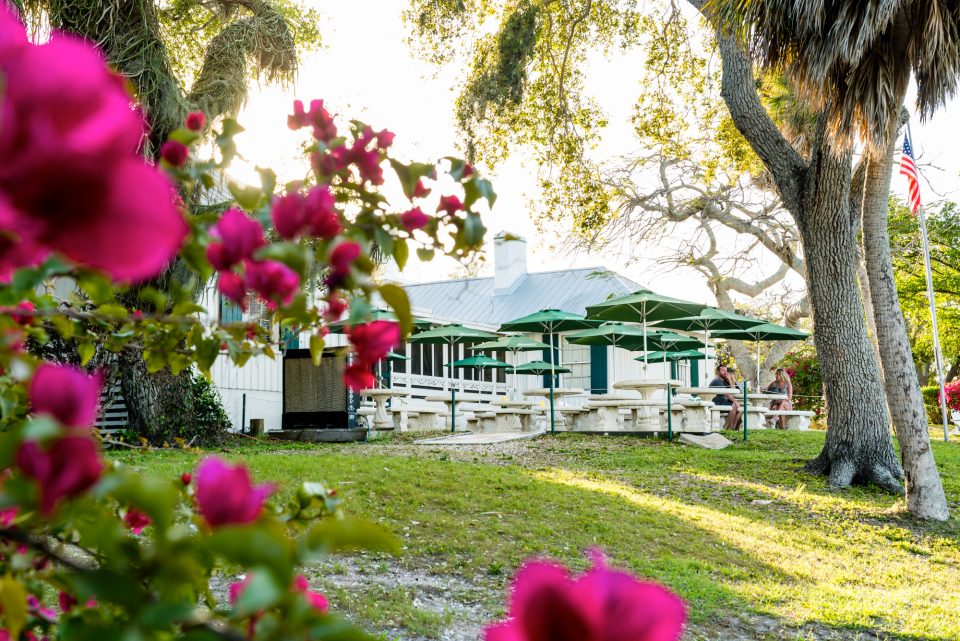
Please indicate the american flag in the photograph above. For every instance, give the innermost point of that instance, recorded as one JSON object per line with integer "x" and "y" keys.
{"x": 909, "y": 169}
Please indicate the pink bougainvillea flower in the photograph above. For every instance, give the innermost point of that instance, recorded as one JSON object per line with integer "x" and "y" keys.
{"x": 8, "y": 515}
{"x": 195, "y": 121}
{"x": 233, "y": 287}
{"x": 23, "y": 313}
{"x": 373, "y": 341}
{"x": 419, "y": 190}
{"x": 68, "y": 467}
{"x": 239, "y": 237}
{"x": 39, "y": 610}
{"x": 322, "y": 217}
{"x": 385, "y": 138}
{"x": 316, "y": 600}
{"x": 136, "y": 520}
{"x": 289, "y": 215}
{"x": 225, "y": 494}
{"x": 336, "y": 306}
{"x": 414, "y": 219}
{"x": 343, "y": 256}
{"x": 174, "y": 152}
{"x": 79, "y": 184}
{"x": 357, "y": 376}
{"x": 450, "y": 204}
{"x": 186, "y": 478}
{"x": 318, "y": 117}
{"x": 547, "y": 604}
{"x": 66, "y": 393}
{"x": 273, "y": 281}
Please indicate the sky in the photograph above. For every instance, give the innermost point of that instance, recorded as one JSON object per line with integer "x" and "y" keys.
{"x": 365, "y": 70}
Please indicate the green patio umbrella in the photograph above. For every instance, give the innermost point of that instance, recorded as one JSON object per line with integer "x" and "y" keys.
{"x": 643, "y": 306}
{"x": 708, "y": 320}
{"x": 451, "y": 335}
{"x": 480, "y": 360}
{"x": 376, "y": 314}
{"x": 549, "y": 321}
{"x": 764, "y": 332}
{"x": 681, "y": 355}
{"x": 512, "y": 344}
{"x": 539, "y": 368}
{"x": 610, "y": 333}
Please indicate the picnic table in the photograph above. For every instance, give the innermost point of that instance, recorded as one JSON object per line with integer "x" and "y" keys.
{"x": 557, "y": 393}
{"x": 646, "y": 386}
{"x": 382, "y": 420}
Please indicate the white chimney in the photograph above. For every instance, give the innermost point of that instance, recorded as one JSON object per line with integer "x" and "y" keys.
{"x": 509, "y": 260}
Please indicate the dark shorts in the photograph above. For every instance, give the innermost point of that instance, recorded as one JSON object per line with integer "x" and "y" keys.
{"x": 722, "y": 400}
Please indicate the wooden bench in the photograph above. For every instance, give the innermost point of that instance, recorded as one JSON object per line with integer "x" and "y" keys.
{"x": 796, "y": 419}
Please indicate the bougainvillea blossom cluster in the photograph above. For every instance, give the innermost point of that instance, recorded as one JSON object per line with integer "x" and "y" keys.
{"x": 79, "y": 183}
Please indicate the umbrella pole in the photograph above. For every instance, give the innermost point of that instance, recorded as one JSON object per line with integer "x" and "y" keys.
{"x": 669, "y": 415}
{"x": 706, "y": 351}
{"x": 758, "y": 366}
{"x": 552, "y": 425}
{"x": 644, "y": 344}
{"x": 745, "y": 401}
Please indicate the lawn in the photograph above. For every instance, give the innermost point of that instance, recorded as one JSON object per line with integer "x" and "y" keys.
{"x": 742, "y": 534}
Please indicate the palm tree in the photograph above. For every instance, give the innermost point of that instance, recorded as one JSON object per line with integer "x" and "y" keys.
{"x": 852, "y": 62}
{"x": 210, "y": 46}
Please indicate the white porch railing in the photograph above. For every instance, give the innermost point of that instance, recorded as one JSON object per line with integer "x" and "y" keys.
{"x": 434, "y": 383}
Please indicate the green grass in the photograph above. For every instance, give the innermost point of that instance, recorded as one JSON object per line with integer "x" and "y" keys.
{"x": 741, "y": 530}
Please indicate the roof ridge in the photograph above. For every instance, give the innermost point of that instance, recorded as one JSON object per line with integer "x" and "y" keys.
{"x": 597, "y": 268}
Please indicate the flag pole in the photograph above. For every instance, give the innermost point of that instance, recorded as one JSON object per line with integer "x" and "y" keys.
{"x": 937, "y": 354}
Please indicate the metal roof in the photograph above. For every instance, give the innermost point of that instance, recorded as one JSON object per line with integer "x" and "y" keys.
{"x": 474, "y": 300}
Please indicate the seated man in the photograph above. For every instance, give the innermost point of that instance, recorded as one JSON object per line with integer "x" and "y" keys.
{"x": 725, "y": 379}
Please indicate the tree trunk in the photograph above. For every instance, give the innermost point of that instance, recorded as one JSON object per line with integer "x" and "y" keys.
{"x": 159, "y": 405}
{"x": 858, "y": 446}
{"x": 925, "y": 497}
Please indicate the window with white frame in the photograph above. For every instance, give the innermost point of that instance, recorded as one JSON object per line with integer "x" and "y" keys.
{"x": 576, "y": 358}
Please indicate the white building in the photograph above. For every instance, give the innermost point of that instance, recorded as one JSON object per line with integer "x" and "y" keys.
{"x": 256, "y": 390}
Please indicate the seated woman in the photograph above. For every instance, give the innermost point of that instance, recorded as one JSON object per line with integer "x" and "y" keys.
{"x": 781, "y": 385}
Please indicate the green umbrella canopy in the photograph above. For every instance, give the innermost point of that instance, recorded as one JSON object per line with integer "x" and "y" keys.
{"x": 394, "y": 356}
{"x": 671, "y": 341}
{"x": 643, "y": 306}
{"x": 711, "y": 319}
{"x": 683, "y": 355}
{"x": 480, "y": 360}
{"x": 615, "y": 334}
{"x": 539, "y": 368}
{"x": 548, "y": 321}
{"x": 451, "y": 335}
{"x": 377, "y": 314}
{"x": 764, "y": 332}
{"x": 511, "y": 344}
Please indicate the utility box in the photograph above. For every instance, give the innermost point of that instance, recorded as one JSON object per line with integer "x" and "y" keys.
{"x": 315, "y": 396}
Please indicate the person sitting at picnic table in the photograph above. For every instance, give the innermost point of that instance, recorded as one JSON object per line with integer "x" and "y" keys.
{"x": 725, "y": 379}
{"x": 781, "y": 385}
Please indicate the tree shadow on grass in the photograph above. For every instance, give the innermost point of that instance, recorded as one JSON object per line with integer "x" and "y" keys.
{"x": 482, "y": 521}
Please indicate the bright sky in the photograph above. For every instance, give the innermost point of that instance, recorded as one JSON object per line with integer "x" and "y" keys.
{"x": 366, "y": 71}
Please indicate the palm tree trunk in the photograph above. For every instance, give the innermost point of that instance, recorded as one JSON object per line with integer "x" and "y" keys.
{"x": 924, "y": 491}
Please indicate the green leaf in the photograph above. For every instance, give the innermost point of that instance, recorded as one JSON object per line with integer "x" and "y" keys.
{"x": 260, "y": 592}
{"x": 184, "y": 135}
{"x": 478, "y": 188}
{"x": 316, "y": 349}
{"x": 401, "y": 253}
{"x": 473, "y": 231}
{"x": 86, "y": 352}
{"x": 13, "y": 601}
{"x": 246, "y": 196}
{"x": 396, "y": 298}
{"x": 268, "y": 180}
{"x": 41, "y": 427}
{"x": 186, "y": 308}
{"x": 425, "y": 254}
{"x": 108, "y": 585}
{"x": 290, "y": 254}
{"x": 160, "y": 615}
{"x": 347, "y": 534}
{"x": 410, "y": 174}
{"x": 252, "y": 545}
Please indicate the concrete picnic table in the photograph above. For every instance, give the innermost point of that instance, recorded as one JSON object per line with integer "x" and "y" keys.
{"x": 607, "y": 408}
{"x": 646, "y": 386}
{"x": 557, "y": 393}
{"x": 382, "y": 420}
